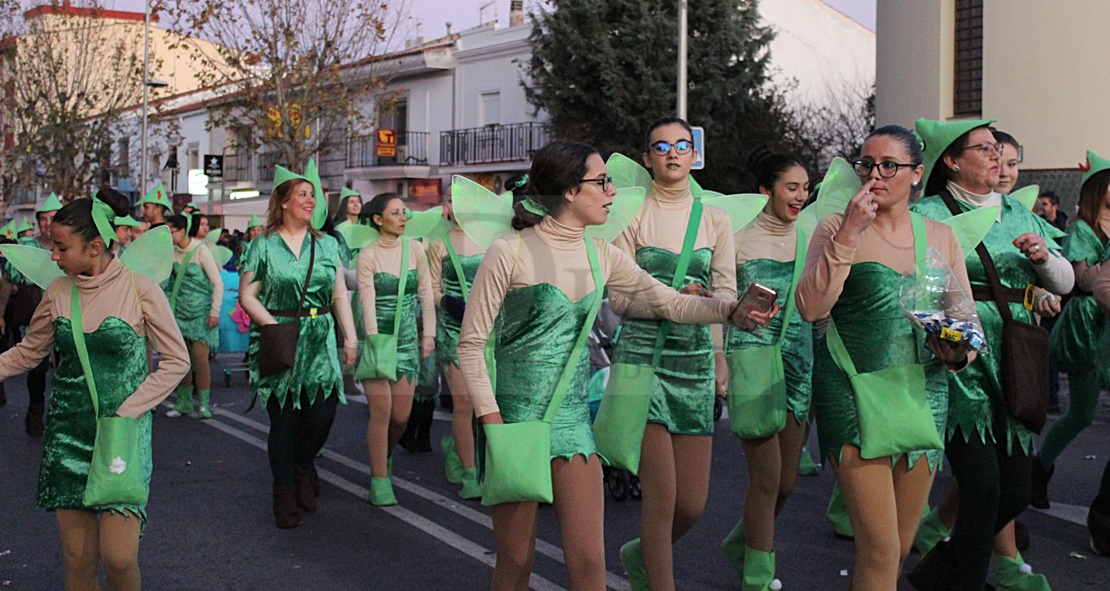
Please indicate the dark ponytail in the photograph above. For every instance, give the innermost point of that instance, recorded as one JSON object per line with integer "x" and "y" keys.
{"x": 77, "y": 214}
{"x": 557, "y": 168}
{"x": 768, "y": 166}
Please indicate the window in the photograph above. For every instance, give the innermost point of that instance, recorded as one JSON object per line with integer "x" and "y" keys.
{"x": 124, "y": 162}
{"x": 968, "y": 73}
{"x": 192, "y": 156}
{"x": 490, "y": 106}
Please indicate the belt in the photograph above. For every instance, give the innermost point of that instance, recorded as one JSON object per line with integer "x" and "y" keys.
{"x": 307, "y": 312}
{"x": 983, "y": 293}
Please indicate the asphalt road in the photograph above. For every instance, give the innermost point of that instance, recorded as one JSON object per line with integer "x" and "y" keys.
{"x": 211, "y": 526}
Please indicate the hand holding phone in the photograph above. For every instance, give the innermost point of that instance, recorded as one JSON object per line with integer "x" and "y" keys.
{"x": 756, "y": 308}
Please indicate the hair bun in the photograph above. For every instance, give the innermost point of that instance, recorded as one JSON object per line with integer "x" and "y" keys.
{"x": 757, "y": 156}
{"x": 116, "y": 200}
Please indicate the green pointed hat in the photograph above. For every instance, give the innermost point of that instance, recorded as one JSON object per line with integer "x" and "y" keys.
{"x": 8, "y": 230}
{"x": 254, "y": 223}
{"x": 24, "y": 226}
{"x": 936, "y": 136}
{"x": 52, "y": 203}
{"x": 158, "y": 196}
{"x": 345, "y": 193}
{"x": 320, "y": 214}
{"x": 1095, "y": 164}
{"x": 127, "y": 221}
{"x": 283, "y": 175}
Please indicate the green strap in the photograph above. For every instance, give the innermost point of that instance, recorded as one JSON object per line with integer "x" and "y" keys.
{"x": 572, "y": 364}
{"x": 397, "y": 315}
{"x": 836, "y": 346}
{"x": 455, "y": 262}
{"x": 799, "y": 264}
{"x": 681, "y": 266}
{"x": 78, "y": 328}
{"x": 180, "y": 279}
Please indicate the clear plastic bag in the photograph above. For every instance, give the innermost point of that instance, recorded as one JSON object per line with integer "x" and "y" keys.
{"x": 937, "y": 304}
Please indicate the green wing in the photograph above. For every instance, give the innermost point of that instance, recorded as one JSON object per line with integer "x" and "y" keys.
{"x": 1027, "y": 195}
{"x": 484, "y": 217}
{"x": 741, "y": 208}
{"x": 213, "y": 235}
{"x": 626, "y": 206}
{"x": 357, "y": 236}
{"x": 508, "y": 198}
{"x": 222, "y": 254}
{"x": 837, "y": 188}
{"x": 972, "y": 226}
{"x": 33, "y": 262}
{"x": 428, "y": 224}
{"x": 626, "y": 172}
{"x": 151, "y": 254}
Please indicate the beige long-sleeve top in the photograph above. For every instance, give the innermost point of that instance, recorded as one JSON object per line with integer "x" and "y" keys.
{"x": 1101, "y": 289}
{"x": 767, "y": 237}
{"x": 141, "y": 303}
{"x": 384, "y": 256}
{"x": 206, "y": 261}
{"x": 828, "y": 262}
{"x": 555, "y": 254}
{"x": 437, "y": 256}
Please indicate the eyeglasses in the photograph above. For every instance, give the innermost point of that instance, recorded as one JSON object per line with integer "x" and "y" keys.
{"x": 603, "y": 181}
{"x": 985, "y": 148}
{"x": 887, "y": 169}
{"x": 680, "y": 147}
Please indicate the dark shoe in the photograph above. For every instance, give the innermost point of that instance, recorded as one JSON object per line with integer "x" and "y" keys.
{"x": 33, "y": 422}
{"x": 1098, "y": 524}
{"x": 408, "y": 439}
{"x": 3, "y": 395}
{"x": 424, "y": 426}
{"x": 1038, "y": 489}
{"x": 936, "y": 571}
{"x": 1021, "y": 536}
{"x": 285, "y": 507}
{"x": 302, "y": 484}
{"x": 314, "y": 480}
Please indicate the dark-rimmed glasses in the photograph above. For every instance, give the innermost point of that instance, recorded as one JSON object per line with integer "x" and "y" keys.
{"x": 680, "y": 147}
{"x": 603, "y": 181}
{"x": 887, "y": 168}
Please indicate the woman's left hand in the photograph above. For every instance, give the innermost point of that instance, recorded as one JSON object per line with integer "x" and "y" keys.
{"x": 720, "y": 369}
{"x": 951, "y": 353}
{"x": 696, "y": 288}
{"x": 213, "y": 321}
{"x": 755, "y": 318}
{"x": 427, "y": 346}
{"x": 350, "y": 355}
{"x": 1045, "y": 303}
{"x": 1032, "y": 246}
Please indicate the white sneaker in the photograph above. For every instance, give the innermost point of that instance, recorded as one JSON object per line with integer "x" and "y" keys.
{"x": 173, "y": 414}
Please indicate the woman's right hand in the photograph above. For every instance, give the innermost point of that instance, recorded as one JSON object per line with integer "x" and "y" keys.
{"x": 858, "y": 216}
{"x": 751, "y": 319}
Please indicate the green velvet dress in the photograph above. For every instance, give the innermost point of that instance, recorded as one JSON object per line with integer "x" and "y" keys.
{"x": 976, "y": 403}
{"x": 281, "y": 275}
{"x": 536, "y": 330}
{"x": 684, "y": 387}
{"x": 877, "y": 336}
{"x": 797, "y": 349}
{"x": 118, "y": 358}
{"x": 385, "y": 302}
{"x": 1076, "y": 336}
{"x": 447, "y": 327}
{"x": 194, "y": 302}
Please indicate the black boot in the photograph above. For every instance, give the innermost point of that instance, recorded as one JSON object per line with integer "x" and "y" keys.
{"x": 1038, "y": 488}
{"x": 408, "y": 439}
{"x": 3, "y": 395}
{"x": 936, "y": 571}
{"x": 33, "y": 422}
{"x": 1098, "y": 524}
{"x": 424, "y": 425}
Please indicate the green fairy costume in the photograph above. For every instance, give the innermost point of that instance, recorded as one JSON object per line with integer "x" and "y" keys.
{"x": 193, "y": 302}
{"x": 387, "y": 302}
{"x": 1078, "y": 333}
{"x": 447, "y": 326}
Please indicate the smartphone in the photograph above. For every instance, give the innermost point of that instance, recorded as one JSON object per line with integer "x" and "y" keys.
{"x": 757, "y": 297}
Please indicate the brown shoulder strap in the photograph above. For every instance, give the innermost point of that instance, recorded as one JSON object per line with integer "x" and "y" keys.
{"x": 991, "y": 271}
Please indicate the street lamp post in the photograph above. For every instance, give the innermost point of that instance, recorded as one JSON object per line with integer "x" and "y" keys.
{"x": 681, "y": 110}
{"x": 147, "y": 85}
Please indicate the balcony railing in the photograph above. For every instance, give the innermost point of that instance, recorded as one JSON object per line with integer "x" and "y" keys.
{"x": 266, "y": 162}
{"x": 237, "y": 166}
{"x": 492, "y": 143}
{"x": 412, "y": 149}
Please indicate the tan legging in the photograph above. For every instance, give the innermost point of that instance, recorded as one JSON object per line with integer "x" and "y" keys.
{"x": 772, "y": 473}
{"x": 89, "y": 539}
{"x": 462, "y": 416}
{"x": 198, "y": 357}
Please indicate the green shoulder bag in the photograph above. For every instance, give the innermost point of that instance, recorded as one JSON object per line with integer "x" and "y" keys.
{"x": 622, "y": 415}
{"x": 517, "y": 465}
{"x": 379, "y": 352}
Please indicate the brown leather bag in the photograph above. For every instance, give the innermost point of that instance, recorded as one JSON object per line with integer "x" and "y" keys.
{"x": 277, "y": 343}
{"x": 1024, "y": 350}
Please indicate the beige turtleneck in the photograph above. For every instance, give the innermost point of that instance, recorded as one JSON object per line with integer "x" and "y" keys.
{"x": 437, "y": 256}
{"x": 768, "y": 237}
{"x": 555, "y": 254}
{"x": 119, "y": 292}
{"x": 1101, "y": 289}
{"x": 206, "y": 261}
{"x": 384, "y": 256}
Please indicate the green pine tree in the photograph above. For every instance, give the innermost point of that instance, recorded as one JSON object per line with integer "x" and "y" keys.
{"x": 604, "y": 69}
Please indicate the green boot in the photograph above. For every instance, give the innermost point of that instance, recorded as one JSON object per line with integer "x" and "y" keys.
{"x": 204, "y": 396}
{"x": 807, "y": 467}
{"x": 470, "y": 487}
{"x": 734, "y": 546}
{"x": 381, "y": 492}
{"x": 930, "y": 532}
{"x": 759, "y": 571}
{"x": 837, "y": 516}
{"x": 451, "y": 462}
{"x": 1016, "y": 575}
{"x": 184, "y": 403}
{"x": 633, "y": 560}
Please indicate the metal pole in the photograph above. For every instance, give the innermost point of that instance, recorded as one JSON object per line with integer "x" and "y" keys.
{"x": 146, "y": 96}
{"x": 681, "y": 111}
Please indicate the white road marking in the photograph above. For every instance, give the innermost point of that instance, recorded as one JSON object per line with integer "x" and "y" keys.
{"x": 1073, "y": 513}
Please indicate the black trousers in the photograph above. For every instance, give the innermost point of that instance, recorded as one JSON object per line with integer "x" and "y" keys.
{"x": 298, "y": 434}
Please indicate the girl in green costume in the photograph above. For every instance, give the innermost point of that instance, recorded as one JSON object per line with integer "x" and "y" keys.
{"x": 1076, "y": 338}
{"x": 196, "y": 293}
{"x": 378, "y": 268}
{"x": 301, "y": 401}
{"x": 121, "y": 310}
{"x": 536, "y": 287}
{"x": 677, "y": 445}
{"x": 989, "y": 451}
{"x": 855, "y": 267}
{"x": 766, "y": 253}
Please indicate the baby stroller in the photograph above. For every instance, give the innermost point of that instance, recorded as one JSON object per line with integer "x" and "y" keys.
{"x": 620, "y": 483}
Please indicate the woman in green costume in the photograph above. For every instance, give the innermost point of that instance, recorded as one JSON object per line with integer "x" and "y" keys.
{"x": 855, "y": 267}
{"x": 196, "y": 293}
{"x": 379, "y": 269}
{"x": 537, "y": 287}
{"x": 677, "y": 444}
{"x": 768, "y": 251}
{"x": 446, "y": 256}
{"x": 301, "y": 401}
{"x": 1076, "y": 338}
{"x": 124, "y": 310}
{"x": 989, "y": 451}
